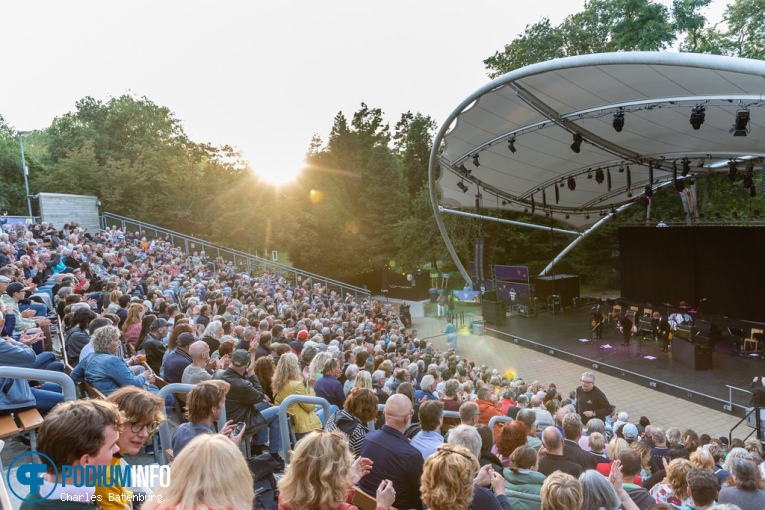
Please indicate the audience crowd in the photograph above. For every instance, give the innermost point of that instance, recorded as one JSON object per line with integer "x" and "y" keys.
{"x": 136, "y": 313}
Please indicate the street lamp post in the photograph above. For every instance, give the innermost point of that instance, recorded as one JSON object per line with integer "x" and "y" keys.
{"x": 25, "y": 171}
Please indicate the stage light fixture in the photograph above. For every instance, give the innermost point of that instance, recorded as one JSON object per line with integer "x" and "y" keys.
{"x": 618, "y": 122}
{"x": 511, "y": 145}
{"x": 599, "y": 176}
{"x": 571, "y": 183}
{"x": 576, "y": 146}
{"x": 732, "y": 170}
{"x": 461, "y": 185}
{"x": 475, "y": 161}
{"x": 561, "y": 184}
{"x": 650, "y": 173}
{"x": 621, "y": 168}
{"x": 648, "y": 192}
{"x": 697, "y": 116}
{"x": 686, "y": 167}
{"x": 557, "y": 194}
{"x": 586, "y": 216}
{"x": 742, "y": 120}
{"x": 568, "y": 216}
{"x": 629, "y": 177}
{"x": 629, "y": 194}
{"x": 608, "y": 178}
{"x": 504, "y": 202}
{"x": 465, "y": 171}
{"x": 589, "y": 173}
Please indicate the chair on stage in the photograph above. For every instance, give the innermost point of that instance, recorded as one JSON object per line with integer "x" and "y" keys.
{"x": 755, "y": 338}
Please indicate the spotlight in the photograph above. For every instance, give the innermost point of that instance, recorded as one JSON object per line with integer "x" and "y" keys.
{"x": 700, "y": 164}
{"x": 568, "y": 216}
{"x": 461, "y": 185}
{"x": 586, "y": 216}
{"x": 475, "y": 161}
{"x": 561, "y": 184}
{"x": 608, "y": 177}
{"x": 511, "y": 145}
{"x": 648, "y": 192}
{"x": 697, "y": 116}
{"x": 618, "y": 122}
{"x": 629, "y": 194}
{"x": 557, "y": 194}
{"x": 464, "y": 170}
{"x": 686, "y": 167}
{"x": 621, "y": 168}
{"x": 504, "y": 202}
{"x": 599, "y": 176}
{"x": 742, "y": 119}
{"x": 589, "y": 173}
{"x": 571, "y": 183}
{"x": 577, "y": 144}
{"x": 732, "y": 170}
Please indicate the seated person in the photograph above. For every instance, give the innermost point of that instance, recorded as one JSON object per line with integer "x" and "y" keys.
{"x": 103, "y": 369}
{"x": 80, "y": 433}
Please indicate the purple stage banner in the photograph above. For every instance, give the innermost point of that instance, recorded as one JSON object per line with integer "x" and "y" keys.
{"x": 511, "y": 273}
{"x": 510, "y": 291}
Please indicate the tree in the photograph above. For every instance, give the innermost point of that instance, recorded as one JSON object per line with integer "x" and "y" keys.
{"x": 413, "y": 138}
{"x": 12, "y": 192}
{"x": 745, "y": 36}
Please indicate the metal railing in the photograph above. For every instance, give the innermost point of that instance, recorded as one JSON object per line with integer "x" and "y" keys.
{"x": 240, "y": 259}
{"x": 34, "y": 374}
{"x": 284, "y": 428}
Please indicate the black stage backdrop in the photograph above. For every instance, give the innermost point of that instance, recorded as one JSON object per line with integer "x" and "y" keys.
{"x": 718, "y": 270}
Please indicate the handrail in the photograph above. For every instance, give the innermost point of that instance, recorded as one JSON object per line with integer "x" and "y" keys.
{"x": 35, "y": 374}
{"x": 284, "y": 427}
{"x": 248, "y": 258}
{"x": 165, "y": 437}
{"x": 730, "y": 396}
{"x": 730, "y": 432}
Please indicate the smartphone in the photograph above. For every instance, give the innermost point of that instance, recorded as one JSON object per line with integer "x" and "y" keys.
{"x": 238, "y": 429}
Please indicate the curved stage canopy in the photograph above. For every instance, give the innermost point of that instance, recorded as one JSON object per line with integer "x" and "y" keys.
{"x": 581, "y": 137}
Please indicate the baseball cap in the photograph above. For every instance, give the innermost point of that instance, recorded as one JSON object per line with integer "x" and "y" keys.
{"x": 302, "y": 335}
{"x": 186, "y": 339}
{"x": 13, "y": 288}
{"x": 4, "y": 279}
{"x": 158, "y": 323}
{"x": 630, "y": 430}
{"x": 241, "y": 358}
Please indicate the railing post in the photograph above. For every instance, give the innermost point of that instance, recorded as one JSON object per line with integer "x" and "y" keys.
{"x": 164, "y": 428}
{"x": 284, "y": 427}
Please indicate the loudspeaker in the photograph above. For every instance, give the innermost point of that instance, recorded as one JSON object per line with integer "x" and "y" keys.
{"x": 705, "y": 340}
{"x": 494, "y": 312}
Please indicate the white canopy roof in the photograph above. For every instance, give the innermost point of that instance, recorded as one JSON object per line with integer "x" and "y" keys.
{"x": 543, "y": 106}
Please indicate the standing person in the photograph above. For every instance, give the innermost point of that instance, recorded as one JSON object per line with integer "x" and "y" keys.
{"x": 591, "y": 402}
{"x": 626, "y": 325}
{"x": 451, "y": 334}
{"x": 441, "y": 302}
{"x": 660, "y": 329}
{"x": 758, "y": 402}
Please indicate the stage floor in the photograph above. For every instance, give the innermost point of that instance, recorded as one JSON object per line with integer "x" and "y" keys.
{"x": 643, "y": 362}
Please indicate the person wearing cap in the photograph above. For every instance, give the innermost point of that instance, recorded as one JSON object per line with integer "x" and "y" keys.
{"x": 246, "y": 399}
{"x": 296, "y": 346}
{"x": 178, "y": 359}
{"x": 630, "y": 433}
{"x": 153, "y": 345}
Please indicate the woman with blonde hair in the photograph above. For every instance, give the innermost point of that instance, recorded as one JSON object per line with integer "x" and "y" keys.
{"x": 703, "y": 459}
{"x": 322, "y": 473}
{"x": 363, "y": 380}
{"x": 209, "y": 474}
{"x": 674, "y": 488}
{"x": 288, "y": 381}
{"x": 447, "y": 478}
{"x": 131, "y": 329}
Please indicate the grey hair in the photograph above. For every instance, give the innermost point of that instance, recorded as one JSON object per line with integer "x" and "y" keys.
{"x": 735, "y": 453}
{"x": 596, "y": 425}
{"x": 468, "y": 437}
{"x": 597, "y": 492}
{"x": 352, "y": 371}
{"x": 589, "y": 375}
{"x": 103, "y": 337}
{"x": 413, "y": 368}
{"x": 378, "y": 376}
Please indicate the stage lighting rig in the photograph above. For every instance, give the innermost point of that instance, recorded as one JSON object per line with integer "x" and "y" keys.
{"x": 576, "y": 145}
{"x": 697, "y": 116}
{"x": 571, "y": 183}
{"x": 461, "y": 185}
{"x": 475, "y": 161}
{"x": 511, "y": 145}
{"x": 740, "y": 128}
{"x": 618, "y": 122}
{"x": 599, "y": 176}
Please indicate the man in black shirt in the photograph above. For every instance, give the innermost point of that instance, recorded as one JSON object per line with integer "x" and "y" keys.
{"x": 758, "y": 401}
{"x": 590, "y": 401}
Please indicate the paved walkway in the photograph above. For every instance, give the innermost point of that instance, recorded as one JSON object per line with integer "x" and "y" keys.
{"x": 637, "y": 400}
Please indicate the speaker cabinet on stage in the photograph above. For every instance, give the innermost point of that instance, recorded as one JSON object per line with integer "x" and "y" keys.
{"x": 691, "y": 354}
{"x": 494, "y": 312}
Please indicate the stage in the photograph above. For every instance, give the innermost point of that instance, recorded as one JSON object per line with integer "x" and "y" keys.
{"x": 561, "y": 335}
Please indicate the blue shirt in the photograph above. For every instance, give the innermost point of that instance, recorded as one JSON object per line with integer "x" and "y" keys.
{"x": 106, "y": 372}
{"x": 330, "y": 388}
{"x": 427, "y": 442}
{"x": 185, "y": 432}
{"x": 395, "y": 459}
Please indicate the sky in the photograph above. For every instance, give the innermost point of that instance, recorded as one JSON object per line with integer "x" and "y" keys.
{"x": 260, "y": 75}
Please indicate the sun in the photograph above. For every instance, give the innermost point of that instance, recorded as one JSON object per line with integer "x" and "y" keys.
{"x": 280, "y": 171}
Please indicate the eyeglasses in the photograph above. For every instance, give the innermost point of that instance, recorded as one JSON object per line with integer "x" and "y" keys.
{"x": 151, "y": 428}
